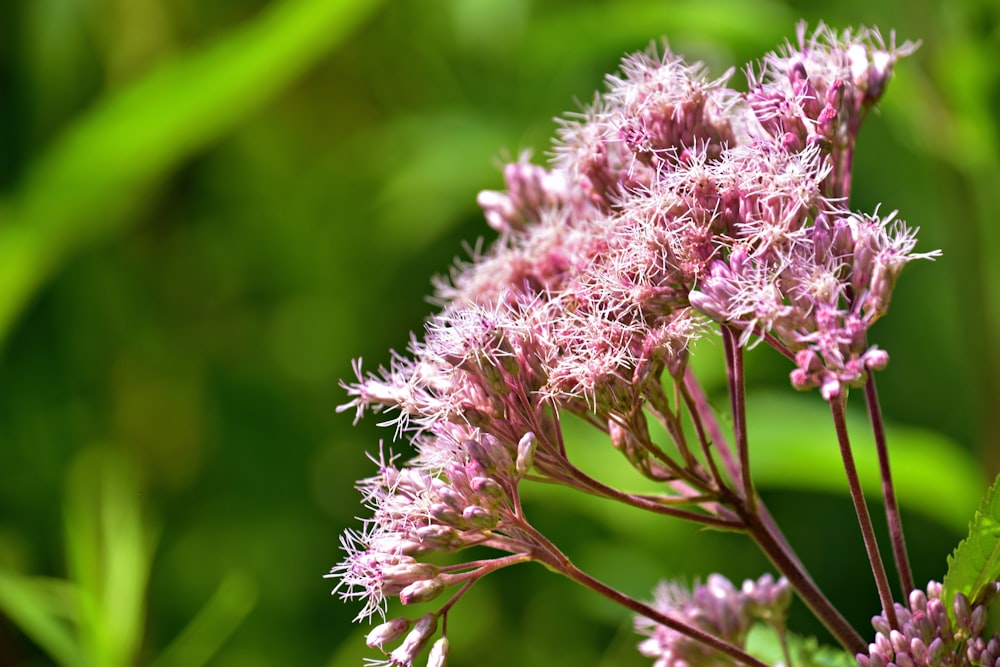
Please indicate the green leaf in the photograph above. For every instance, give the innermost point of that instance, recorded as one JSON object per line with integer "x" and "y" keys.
{"x": 109, "y": 548}
{"x": 976, "y": 560}
{"x": 764, "y": 642}
{"x": 44, "y": 610}
{"x": 793, "y": 446}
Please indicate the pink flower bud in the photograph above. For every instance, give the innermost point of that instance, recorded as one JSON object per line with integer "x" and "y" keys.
{"x": 397, "y": 577}
{"x": 387, "y": 632}
{"x": 415, "y": 642}
{"x": 421, "y": 591}
{"x": 525, "y": 453}
{"x": 438, "y": 656}
{"x": 479, "y": 517}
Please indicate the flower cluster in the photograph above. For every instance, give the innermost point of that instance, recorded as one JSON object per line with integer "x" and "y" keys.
{"x": 673, "y": 205}
{"x": 929, "y": 637}
{"x": 426, "y": 507}
{"x": 717, "y": 607}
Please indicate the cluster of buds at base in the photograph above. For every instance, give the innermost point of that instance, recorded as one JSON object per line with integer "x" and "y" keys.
{"x": 414, "y": 642}
{"x": 717, "y": 607}
{"x": 928, "y": 637}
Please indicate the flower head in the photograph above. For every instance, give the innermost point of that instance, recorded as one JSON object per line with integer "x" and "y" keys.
{"x": 673, "y": 205}
{"x": 717, "y": 607}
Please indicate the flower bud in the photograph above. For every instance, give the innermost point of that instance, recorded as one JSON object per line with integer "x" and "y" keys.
{"x": 936, "y": 650}
{"x": 487, "y": 488}
{"x": 918, "y": 649}
{"x": 904, "y": 660}
{"x": 882, "y": 644}
{"x": 396, "y": 544}
{"x": 499, "y": 210}
{"x": 421, "y": 591}
{"x": 962, "y": 609}
{"x": 439, "y": 538}
{"x": 881, "y": 625}
{"x": 977, "y": 621}
{"x": 415, "y": 641}
{"x": 402, "y": 574}
{"x": 452, "y": 498}
{"x": 387, "y": 632}
{"x": 438, "y": 656}
{"x": 525, "y": 453}
{"x": 444, "y": 513}
{"x": 490, "y": 453}
{"x": 479, "y": 517}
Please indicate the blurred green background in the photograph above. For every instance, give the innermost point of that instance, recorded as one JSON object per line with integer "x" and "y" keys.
{"x": 207, "y": 209}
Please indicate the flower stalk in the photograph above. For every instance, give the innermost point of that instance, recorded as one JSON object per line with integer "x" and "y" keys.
{"x": 888, "y": 490}
{"x": 861, "y": 509}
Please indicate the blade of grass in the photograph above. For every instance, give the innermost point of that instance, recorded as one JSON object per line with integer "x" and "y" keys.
{"x": 205, "y": 634}
{"x": 90, "y": 182}
{"x": 40, "y": 608}
{"x": 109, "y": 550}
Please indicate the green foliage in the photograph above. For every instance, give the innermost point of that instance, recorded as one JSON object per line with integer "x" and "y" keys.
{"x": 88, "y": 183}
{"x": 97, "y": 616}
{"x": 765, "y": 643}
{"x": 976, "y": 561}
{"x": 786, "y": 429}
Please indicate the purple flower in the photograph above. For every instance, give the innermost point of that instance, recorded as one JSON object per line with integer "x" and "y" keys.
{"x": 716, "y": 607}
{"x": 928, "y": 637}
{"x": 673, "y": 206}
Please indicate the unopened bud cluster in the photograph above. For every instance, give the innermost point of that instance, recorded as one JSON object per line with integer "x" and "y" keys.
{"x": 415, "y": 636}
{"x": 928, "y": 636}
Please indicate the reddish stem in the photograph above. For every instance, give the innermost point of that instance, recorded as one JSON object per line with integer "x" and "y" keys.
{"x": 888, "y": 491}
{"x": 861, "y": 508}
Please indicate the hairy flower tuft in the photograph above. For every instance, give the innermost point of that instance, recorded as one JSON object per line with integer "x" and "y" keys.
{"x": 717, "y": 607}
{"x": 674, "y": 206}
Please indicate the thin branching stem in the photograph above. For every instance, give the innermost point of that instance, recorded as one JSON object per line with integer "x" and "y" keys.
{"x": 763, "y": 529}
{"x": 558, "y": 562}
{"x": 861, "y": 508}
{"x": 703, "y": 437}
{"x": 888, "y": 490}
{"x": 702, "y": 411}
{"x": 737, "y": 396}
{"x": 775, "y": 548}
{"x": 584, "y": 482}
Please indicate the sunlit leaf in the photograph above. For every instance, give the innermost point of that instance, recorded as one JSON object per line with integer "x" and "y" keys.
{"x": 43, "y": 609}
{"x": 765, "y": 643}
{"x": 976, "y": 561}
{"x": 109, "y": 550}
